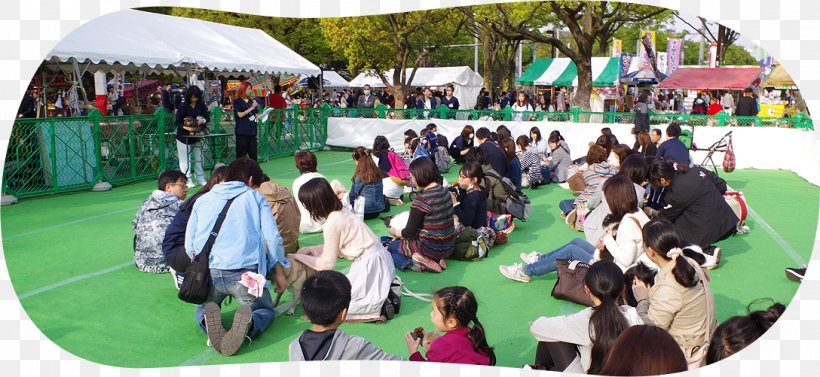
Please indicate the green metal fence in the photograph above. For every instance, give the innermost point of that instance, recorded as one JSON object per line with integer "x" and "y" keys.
{"x": 573, "y": 116}
{"x": 54, "y": 155}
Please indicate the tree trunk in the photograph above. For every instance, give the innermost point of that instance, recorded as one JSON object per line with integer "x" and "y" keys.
{"x": 399, "y": 93}
{"x": 489, "y": 58}
{"x": 584, "y": 90}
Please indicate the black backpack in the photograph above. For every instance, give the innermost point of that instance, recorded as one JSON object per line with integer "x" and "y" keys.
{"x": 518, "y": 204}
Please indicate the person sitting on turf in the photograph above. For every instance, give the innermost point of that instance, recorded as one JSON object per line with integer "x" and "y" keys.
{"x": 680, "y": 301}
{"x": 673, "y": 149}
{"x": 395, "y": 172}
{"x": 694, "y": 204}
{"x": 325, "y": 299}
{"x": 595, "y": 175}
{"x": 497, "y": 195}
{"x": 153, "y": 219}
{"x": 345, "y": 235}
{"x": 738, "y": 332}
{"x": 531, "y": 176}
{"x": 248, "y": 247}
{"x": 285, "y": 211}
{"x": 471, "y": 206}
{"x": 494, "y": 153}
{"x": 558, "y": 162}
{"x": 429, "y": 236}
{"x": 636, "y": 170}
{"x": 643, "y": 350}
{"x": 580, "y": 342}
{"x": 306, "y": 163}
{"x": 173, "y": 245}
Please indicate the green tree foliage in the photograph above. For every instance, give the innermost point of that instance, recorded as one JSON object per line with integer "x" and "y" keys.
{"x": 394, "y": 41}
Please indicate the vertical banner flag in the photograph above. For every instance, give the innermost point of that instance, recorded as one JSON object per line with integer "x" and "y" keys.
{"x": 616, "y": 48}
{"x": 674, "y": 55}
{"x": 662, "y": 62}
{"x": 713, "y": 55}
{"x": 624, "y": 62}
{"x": 646, "y": 49}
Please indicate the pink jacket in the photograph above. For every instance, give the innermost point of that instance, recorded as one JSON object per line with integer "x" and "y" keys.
{"x": 454, "y": 347}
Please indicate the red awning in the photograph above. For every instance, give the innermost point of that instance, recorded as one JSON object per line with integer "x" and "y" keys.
{"x": 711, "y": 78}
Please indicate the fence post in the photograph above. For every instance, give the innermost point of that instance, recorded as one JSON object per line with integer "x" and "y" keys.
{"x": 575, "y": 112}
{"x": 381, "y": 111}
{"x": 101, "y": 185}
{"x": 160, "y": 114}
{"x": 507, "y": 113}
{"x": 721, "y": 118}
{"x": 54, "y": 173}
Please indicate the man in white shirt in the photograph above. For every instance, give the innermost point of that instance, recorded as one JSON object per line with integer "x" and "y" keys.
{"x": 728, "y": 103}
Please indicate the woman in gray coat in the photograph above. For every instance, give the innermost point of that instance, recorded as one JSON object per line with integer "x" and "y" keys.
{"x": 559, "y": 159}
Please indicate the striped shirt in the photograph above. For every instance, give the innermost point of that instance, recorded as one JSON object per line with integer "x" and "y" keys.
{"x": 437, "y": 235}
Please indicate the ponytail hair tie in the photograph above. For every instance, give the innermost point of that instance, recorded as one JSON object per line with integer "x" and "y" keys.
{"x": 674, "y": 253}
{"x": 675, "y": 165}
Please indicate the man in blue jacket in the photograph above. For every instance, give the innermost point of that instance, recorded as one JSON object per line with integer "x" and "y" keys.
{"x": 248, "y": 242}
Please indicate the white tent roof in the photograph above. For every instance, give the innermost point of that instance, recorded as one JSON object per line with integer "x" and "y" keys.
{"x": 425, "y": 76}
{"x": 137, "y": 39}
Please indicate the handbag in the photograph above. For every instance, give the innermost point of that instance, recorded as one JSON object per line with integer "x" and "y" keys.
{"x": 570, "y": 283}
{"x": 576, "y": 182}
{"x": 197, "y": 277}
{"x": 697, "y": 355}
{"x": 729, "y": 157}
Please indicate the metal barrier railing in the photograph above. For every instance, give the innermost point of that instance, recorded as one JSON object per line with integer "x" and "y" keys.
{"x": 63, "y": 154}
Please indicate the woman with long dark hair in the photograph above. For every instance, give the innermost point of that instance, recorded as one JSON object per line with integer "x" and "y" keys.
{"x": 347, "y": 236}
{"x": 189, "y": 117}
{"x": 513, "y": 163}
{"x": 680, "y": 301}
{"x": 580, "y": 342}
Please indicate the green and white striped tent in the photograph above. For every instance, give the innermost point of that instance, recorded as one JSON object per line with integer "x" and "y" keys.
{"x": 563, "y": 72}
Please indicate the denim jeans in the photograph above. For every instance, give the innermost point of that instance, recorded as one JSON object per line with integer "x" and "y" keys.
{"x": 225, "y": 283}
{"x": 191, "y": 153}
{"x": 400, "y": 261}
{"x": 545, "y": 174}
{"x": 577, "y": 249}
{"x": 566, "y": 205}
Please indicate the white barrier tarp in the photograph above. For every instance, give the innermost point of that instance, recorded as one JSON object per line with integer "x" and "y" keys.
{"x": 754, "y": 147}
{"x": 466, "y": 82}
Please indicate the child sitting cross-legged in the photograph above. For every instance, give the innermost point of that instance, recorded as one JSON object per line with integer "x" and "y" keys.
{"x": 325, "y": 299}
{"x": 454, "y": 310}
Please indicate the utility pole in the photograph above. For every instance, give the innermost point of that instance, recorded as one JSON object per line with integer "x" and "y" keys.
{"x": 532, "y": 44}
{"x": 702, "y": 41}
{"x": 518, "y": 59}
{"x": 475, "y": 53}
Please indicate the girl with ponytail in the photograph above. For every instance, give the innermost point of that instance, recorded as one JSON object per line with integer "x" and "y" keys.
{"x": 680, "y": 302}
{"x": 454, "y": 311}
{"x": 580, "y": 342}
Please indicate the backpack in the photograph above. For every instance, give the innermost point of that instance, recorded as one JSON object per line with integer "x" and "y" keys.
{"x": 442, "y": 160}
{"x": 470, "y": 245}
{"x": 421, "y": 150}
{"x": 397, "y": 164}
{"x": 517, "y": 203}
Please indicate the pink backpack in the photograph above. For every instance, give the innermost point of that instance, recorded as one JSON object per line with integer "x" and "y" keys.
{"x": 398, "y": 168}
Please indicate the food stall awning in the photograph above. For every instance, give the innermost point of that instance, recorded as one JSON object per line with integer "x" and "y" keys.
{"x": 779, "y": 78}
{"x": 563, "y": 72}
{"x": 712, "y": 78}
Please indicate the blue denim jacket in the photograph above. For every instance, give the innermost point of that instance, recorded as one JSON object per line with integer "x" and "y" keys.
{"x": 373, "y": 195}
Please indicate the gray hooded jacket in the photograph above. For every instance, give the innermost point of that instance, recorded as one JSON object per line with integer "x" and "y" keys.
{"x": 345, "y": 347}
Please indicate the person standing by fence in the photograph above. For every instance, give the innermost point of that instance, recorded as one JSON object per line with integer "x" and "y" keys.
{"x": 189, "y": 149}
{"x": 244, "y": 115}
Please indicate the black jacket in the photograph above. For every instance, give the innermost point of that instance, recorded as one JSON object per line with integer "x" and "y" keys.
{"x": 697, "y": 208}
{"x": 746, "y": 106}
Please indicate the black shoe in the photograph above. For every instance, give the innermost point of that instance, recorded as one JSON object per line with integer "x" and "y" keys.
{"x": 386, "y": 220}
{"x": 796, "y": 274}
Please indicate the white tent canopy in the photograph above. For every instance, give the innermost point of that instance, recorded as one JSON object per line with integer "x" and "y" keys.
{"x": 143, "y": 40}
{"x": 467, "y": 83}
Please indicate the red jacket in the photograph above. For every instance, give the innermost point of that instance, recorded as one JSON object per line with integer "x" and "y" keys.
{"x": 714, "y": 109}
{"x": 453, "y": 347}
{"x": 276, "y": 101}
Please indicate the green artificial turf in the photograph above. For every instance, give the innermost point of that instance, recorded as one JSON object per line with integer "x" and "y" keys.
{"x": 70, "y": 261}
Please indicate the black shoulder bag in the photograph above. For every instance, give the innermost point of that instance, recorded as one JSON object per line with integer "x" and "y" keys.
{"x": 197, "y": 277}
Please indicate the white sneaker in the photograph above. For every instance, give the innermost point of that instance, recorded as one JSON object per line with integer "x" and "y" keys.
{"x": 530, "y": 258}
{"x": 564, "y": 185}
{"x": 190, "y": 184}
{"x": 514, "y": 272}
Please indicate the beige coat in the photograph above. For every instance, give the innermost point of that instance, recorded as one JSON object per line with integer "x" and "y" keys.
{"x": 686, "y": 313}
{"x": 285, "y": 211}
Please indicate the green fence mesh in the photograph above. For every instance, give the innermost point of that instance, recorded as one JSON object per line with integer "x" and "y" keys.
{"x": 54, "y": 155}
